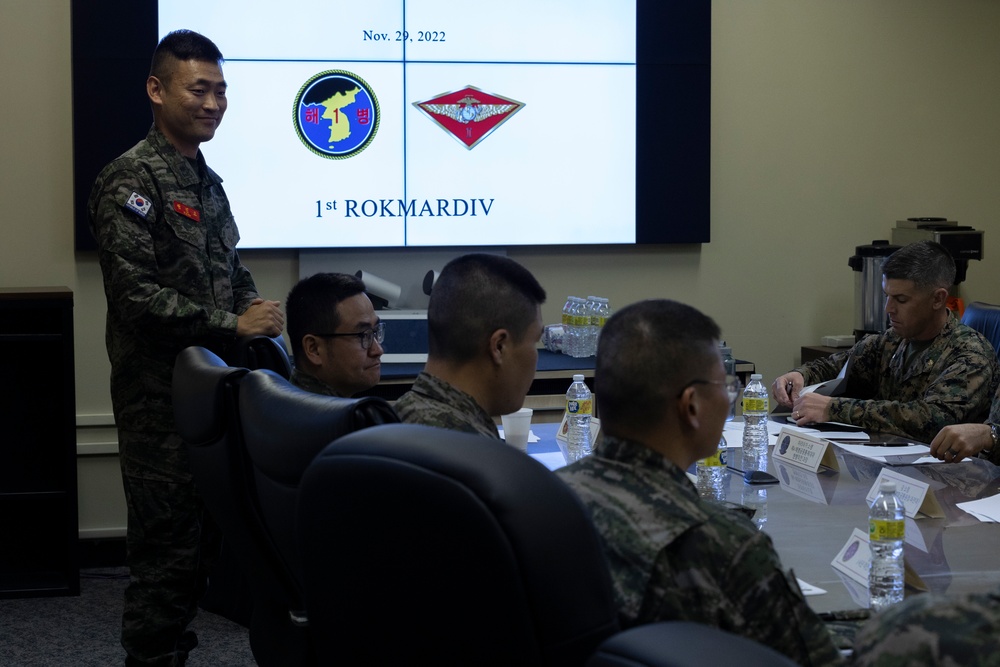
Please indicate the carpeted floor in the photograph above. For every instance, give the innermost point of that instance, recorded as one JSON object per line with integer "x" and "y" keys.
{"x": 83, "y": 631}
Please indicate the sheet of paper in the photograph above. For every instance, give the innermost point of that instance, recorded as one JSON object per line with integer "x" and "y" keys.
{"x": 808, "y": 589}
{"x": 531, "y": 435}
{"x": 984, "y": 509}
{"x": 551, "y": 460}
{"x": 877, "y": 453}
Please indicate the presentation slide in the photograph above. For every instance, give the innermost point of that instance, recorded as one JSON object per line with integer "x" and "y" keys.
{"x": 421, "y": 123}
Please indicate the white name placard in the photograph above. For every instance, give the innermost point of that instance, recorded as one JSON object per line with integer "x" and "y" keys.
{"x": 912, "y": 492}
{"x": 803, "y": 450}
{"x": 855, "y": 557}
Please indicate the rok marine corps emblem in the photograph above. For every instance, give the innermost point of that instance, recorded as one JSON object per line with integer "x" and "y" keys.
{"x": 470, "y": 115}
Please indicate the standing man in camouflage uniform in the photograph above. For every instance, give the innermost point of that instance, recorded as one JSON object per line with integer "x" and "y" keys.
{"x": 172, "y": 277}
{"x": 663, "y": 397}
{"x": 484, "y": 321}
{"x": 926, "y": 371}
{"x": 336, "y": 335}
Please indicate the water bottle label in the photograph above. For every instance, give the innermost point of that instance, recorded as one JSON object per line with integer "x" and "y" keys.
{"x": 567, "y": 319}
{"x": 716, "y": 459}
{"x": 577, "y": 407}
{"x": 754, "y": 404}
{"x": 884, "y": 529}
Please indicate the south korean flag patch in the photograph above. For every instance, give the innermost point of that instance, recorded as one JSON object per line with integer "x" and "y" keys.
{"x": 139, "y": 204}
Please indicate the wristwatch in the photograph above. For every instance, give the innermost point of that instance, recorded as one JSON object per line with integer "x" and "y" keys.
{"x": 994, "y": 435}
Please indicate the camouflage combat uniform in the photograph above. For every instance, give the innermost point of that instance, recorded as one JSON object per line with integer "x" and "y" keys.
{"x": 952, "y": 381}
{"x": 434, "y": 402}
{"x": 674, "y": 556}
{"x": 310, "y": 383}
{"x": 167, "y": 246}
{"x": 933, "y": 629}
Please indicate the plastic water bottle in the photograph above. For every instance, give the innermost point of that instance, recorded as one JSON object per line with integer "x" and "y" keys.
{"x": 730, "y": 365}
{"x": 755, "y": 405}
{"x": 711, "y": 474}
{"x": 600, "y": 318}
{"x": 755, "y": 498}
{"x": 590, "y": 348}
{"x": 581, "y": 321}
{"x": 579, "y": 408}
{"x": 886, "y": 527}
{"x": 567, "y": 325}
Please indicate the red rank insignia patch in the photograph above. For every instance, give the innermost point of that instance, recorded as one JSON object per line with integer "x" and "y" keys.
{"x": 187, "y": 211}
{"x": 470, "y": 115}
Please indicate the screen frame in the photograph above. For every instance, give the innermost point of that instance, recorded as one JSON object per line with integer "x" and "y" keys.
{"x": 112, "y": 42}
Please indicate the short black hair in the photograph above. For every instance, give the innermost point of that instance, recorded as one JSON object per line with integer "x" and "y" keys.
{"x": 311, "y": 306}
{"x": 474, "y": 296}
{"x": 182, "y": 45}
{"x": 926, "y": 263}
{"x": 647, "y": 353}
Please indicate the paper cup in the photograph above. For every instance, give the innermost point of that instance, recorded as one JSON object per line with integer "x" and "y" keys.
{"x": 516, "y": 427}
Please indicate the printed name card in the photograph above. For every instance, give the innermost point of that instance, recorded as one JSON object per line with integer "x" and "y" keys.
{"x": 855, "y": 558}
{"x": 563, "y": 433}
{"x": 803, "y": 450}
{"x": 912, "y": 492}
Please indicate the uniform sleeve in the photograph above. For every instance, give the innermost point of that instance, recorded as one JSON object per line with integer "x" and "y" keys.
{"x": 821, "y": 370}
{"x": 129, "y": 263}
{"x": 961, "y": 392}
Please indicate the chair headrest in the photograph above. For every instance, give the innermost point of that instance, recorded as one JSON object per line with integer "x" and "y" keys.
{"x": 468, "y": 531}
{"x": 285, "y": 427}
{"x": 256, "y": 352}
{"x": 200, "y": 382}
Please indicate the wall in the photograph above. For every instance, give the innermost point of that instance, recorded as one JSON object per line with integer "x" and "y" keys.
{"x": 831, "y": 120}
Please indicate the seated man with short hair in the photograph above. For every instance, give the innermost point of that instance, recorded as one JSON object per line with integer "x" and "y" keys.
{"x": 664, "y": 397}
{"x": 336, "y": 337}
{"x": 484, "y": 321}
{"x": 926, "y": 371}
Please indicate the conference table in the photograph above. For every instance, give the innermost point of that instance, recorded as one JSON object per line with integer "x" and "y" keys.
{"x": 810, "y": 517}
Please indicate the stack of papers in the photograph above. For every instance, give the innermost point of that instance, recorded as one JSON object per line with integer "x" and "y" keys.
{"x": 985, "y": 509}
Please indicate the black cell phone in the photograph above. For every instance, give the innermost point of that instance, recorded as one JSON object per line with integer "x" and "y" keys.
{"x": 759, "y": 477}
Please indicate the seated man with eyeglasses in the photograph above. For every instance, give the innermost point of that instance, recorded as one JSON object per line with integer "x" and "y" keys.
{"x": 336, "y": 337}
{"x": 663, "y": 397}
{"x": 484, "y": 321}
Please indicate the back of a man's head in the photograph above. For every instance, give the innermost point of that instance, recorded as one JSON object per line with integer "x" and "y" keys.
{"x": 647, "y": 353}
{"x": 311, "y": 306}
{"x": 182, "y": 45}
{"x": 474, "y": 296}
{"x": 927, "y": 263}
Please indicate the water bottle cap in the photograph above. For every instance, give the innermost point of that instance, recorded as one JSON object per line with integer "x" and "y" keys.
{"x": 578, "y": 377}
{"x": 756, "y": 376}
{"x": 888, "y": 486}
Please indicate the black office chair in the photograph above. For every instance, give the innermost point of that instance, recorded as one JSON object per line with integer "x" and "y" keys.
{"x": 205, "y": 396}
{"x": 257, "y": 352}
{"x": 284, "y": 428}
{"x": 984, "y": 318}
{"x": 426, "y": 546}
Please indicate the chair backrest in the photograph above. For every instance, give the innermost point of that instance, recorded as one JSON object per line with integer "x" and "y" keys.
{"x": 206, "y": 408}
{"x": 426, "y": 546}
{"x": 257, "y": 352}
{"x": 284, "y": 428}
{"x": 984, "y": 318}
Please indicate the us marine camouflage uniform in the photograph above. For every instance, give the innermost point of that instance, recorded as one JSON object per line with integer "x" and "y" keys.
{"x": 167, "y": 246}
{"x": 674, "y": 556}
{"x": 933, "y": 629}
{"x": 434, "y": 402}
{"x": 952, "y": 381}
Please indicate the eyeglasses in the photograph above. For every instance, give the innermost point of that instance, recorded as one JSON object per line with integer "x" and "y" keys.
{"x": 731, "y": 383}
{"x": 377, "y": 333}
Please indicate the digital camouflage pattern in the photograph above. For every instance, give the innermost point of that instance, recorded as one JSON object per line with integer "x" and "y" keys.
{"x": 170, "y": 281}
{"x": 933, "y": 630}
{"x": 310, "y": 383}
{"x": 952, "y": 381}
{"x": 674, "y": 556}
{"x": 167, "y": 247}
{"x": 434, "y": 402}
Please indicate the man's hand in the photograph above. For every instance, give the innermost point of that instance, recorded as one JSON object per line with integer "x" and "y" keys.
{"x": 787, "y": 387}
{"x": 811, "y": 409}
{"x": 958, "y": 441}
{"x": 262, "y": 317}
